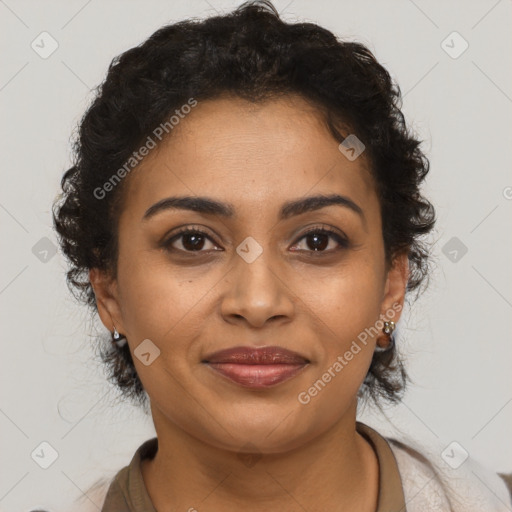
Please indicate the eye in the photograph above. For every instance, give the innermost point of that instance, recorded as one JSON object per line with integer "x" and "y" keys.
{"x": 191, "y": 239}
{"x": 318, "y": 240}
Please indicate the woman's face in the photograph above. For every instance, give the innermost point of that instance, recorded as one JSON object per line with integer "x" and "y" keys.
{"x": 254, "y": 279}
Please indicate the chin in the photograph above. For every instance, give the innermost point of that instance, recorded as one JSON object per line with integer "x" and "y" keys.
{"x": 268, "y": 433}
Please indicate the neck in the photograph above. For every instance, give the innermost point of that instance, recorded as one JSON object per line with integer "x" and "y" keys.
{"x": 336, "y": 470}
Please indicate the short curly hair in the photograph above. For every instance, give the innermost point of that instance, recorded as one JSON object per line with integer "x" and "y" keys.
{"x": 253, "y": 54}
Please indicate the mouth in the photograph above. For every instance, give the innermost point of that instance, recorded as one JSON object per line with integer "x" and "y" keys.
{"x": 256, "y": 368}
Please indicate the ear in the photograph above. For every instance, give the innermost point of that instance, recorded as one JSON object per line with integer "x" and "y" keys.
{"x": 105, "y": 290}
{"x": 395, "y": 288}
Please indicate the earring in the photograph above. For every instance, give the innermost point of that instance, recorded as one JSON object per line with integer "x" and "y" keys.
{"x": 387, "y": 342}
{"x": 389, "y": 327}
{"x": 118, "y": 339}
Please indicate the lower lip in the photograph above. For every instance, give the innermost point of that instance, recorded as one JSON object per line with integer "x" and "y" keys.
{"x": 257, "y": 376}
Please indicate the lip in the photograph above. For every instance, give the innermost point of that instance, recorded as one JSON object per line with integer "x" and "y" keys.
{"x": 256, "y": 368}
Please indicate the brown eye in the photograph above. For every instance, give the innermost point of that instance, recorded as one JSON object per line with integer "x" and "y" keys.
{"x": 191, "y": 240}
{"x": 318, "y": 240}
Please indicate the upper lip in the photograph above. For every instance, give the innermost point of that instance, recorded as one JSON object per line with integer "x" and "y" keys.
{"x": 252, "y": 355}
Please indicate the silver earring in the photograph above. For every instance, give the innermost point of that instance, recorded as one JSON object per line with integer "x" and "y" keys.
{"x": 389, "y": 327}
{"x": 119, "y": 340}
{"x": 387, "y": 342}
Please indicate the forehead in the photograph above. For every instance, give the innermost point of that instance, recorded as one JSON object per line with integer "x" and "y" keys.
{"x": 251, "y": 155}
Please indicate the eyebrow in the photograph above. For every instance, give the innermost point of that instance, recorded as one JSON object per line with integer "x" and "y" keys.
{"x": 289, "y": 209}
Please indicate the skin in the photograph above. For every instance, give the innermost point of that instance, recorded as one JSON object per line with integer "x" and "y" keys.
{"x": 255, "y": 157}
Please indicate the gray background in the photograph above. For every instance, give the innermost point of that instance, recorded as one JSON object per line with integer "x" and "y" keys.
{"x": 457, "y": 337}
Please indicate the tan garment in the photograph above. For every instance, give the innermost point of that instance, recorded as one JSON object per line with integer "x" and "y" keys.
{"x": 128, "y": 493}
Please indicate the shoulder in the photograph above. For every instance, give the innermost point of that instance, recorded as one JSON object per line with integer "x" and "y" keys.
{"x": 93, "y": 498}
{"x": 113, "y": 493}
{"x": 430, "y": 483}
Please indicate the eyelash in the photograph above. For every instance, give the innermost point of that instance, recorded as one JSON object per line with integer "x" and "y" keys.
{"x": 343, "y": 242}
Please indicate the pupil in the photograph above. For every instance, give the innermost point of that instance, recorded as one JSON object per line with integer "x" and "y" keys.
{"x": 197, "y": 242}
{"x": 318, "y": 245}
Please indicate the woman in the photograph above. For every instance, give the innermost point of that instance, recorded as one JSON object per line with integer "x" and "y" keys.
{"x": 244, "y": 215}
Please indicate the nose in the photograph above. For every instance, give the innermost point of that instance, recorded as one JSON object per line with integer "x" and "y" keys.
{"x": 256, "y": 292}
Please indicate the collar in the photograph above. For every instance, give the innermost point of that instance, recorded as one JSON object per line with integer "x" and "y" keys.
{"x": 128, "y": 493}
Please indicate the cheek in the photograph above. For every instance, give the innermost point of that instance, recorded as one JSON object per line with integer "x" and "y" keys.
{"x": 344, "y": 301}
{"x": 150, "y": 296}
{"x": 344, "y": 315}
{"x": 160, "y": 304}
{"x": 345, "y": 307}
{"x": 163, "y": 302}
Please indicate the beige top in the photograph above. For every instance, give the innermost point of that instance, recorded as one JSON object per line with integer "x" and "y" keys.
{"x": 128, "y": 493}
